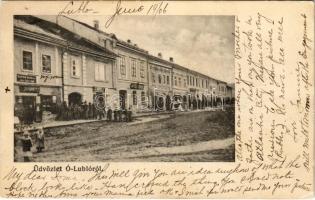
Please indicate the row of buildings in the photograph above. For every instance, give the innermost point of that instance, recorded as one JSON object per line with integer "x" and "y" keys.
{"x": 58, "y": 59}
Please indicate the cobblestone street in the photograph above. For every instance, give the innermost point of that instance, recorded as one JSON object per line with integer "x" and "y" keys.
{"x": 196, "y": 136}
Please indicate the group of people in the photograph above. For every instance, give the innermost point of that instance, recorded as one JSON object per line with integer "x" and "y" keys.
{"x": 27, "y": 143}
{"x": 91, "y": 111}
{"x": 25, "y": 113}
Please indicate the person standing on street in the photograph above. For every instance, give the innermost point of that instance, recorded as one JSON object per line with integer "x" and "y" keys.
{"x": 40, "y": 140}
{"x": 27, "y": 146}
{"x": 109, "y": 114}
{"x": 94, "y": 111}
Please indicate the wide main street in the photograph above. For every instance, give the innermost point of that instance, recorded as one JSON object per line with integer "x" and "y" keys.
{"x": 196, "y": 136}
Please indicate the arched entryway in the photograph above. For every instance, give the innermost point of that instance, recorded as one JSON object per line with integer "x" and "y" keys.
{"x": 75, "y": 98}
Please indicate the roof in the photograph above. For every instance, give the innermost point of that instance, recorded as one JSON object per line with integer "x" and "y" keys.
{"x": 34, "y": 28}
{"x": 111, "y": 35}
{"x": 130, "y": 45}
{"x": 74, "y": 40}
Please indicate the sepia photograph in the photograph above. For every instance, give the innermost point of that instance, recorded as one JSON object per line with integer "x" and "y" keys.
{"x": 138, "y": 89}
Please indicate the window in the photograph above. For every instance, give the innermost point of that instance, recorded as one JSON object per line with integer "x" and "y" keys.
{"x": 153, "y": 78}
{"x": 185, "y": 83}
{"x": 187, "y": 78}
{"x": 142, "y": 98}
{"x": 168, "y": 80}
{"x": 122, "y": 66}
{"x": 175, "y": 80}
{"x": 179, "y": 82}
{"x": 75, "y": 71}
{"x": 99, "y": 71}
{"x": 142, "y": 71}
{"x": 160, "y": 78}
{"x": 27, "y": 60}
{"x": 133, "y": 68}
{"x": 46, "y": 63}
{"x": 164, "y": 79}
{"x": 202, "y": 83}
{"x": 134, "y": 97}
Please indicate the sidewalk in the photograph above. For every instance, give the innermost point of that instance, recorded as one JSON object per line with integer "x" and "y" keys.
{"x": 138, "y": 118}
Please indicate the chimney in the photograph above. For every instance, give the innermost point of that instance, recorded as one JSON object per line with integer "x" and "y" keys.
{"x": 96, "y": 24}
{"x": 129, "y": 41}
{"x": 160, "y": 55}
{"x": 171, "y": 59}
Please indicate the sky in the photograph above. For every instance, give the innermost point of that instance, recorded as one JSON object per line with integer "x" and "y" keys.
{"x": 202, "y": 43}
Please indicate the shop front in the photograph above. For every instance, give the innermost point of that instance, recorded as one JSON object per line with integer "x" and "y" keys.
{"x": 32, "y": 101}
{"x": 161, "y": 100}
{"x": 133, "y": 96}
{"x": 180, "y": 100}
{"x": 99, "y": 99}
{"x": 139, "y": 100}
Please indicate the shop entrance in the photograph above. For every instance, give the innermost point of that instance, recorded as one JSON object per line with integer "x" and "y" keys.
{"x": 25, "y": 108}
{"x": 122, "y": 99}
{"x": 75, "y": 98}
{"x": 160, "y": 103}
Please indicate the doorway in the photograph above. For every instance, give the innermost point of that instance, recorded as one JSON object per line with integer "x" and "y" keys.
{"x": 122, "y": 99}
{"x": 75, "y": 98}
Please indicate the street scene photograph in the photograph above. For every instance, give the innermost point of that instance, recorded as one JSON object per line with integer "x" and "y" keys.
{"x": 142, "y": 89}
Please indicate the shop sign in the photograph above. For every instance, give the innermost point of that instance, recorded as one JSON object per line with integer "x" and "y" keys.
{"x": 29, "y": 89}
{"x": 99, "y": 89}
{"x": 136, "y": 86}
{"x": 26, "y": 78}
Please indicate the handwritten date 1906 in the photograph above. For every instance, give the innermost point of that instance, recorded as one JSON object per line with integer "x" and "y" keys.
{"x": 157, "y": 8}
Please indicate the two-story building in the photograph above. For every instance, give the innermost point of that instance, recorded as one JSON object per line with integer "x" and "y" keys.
{"x": 160, "y": 83}
{"x": 37, "y": 68}
{"x": 180, "y": 89}
{"x": 132, "y": 76}
{"x": 89, "y": 63}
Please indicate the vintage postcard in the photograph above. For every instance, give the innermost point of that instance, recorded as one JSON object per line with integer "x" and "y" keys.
{"x": 156, "y": 99}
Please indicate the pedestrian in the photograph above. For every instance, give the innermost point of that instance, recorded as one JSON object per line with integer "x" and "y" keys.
{"x": 104, "y": 111}
{"x": 125, "y": 114}
{"x": 129, "y": 115}
{"x": 94, "y": 111}
{"x": 109, "y": 114}
{"x": 115, "y": 115}
{"x": 27, "y": 146}
{"x": 40, "y": 139}
{"x": 100, "y": 111}
{"x": 63, "y": 111}
{"x": 59, "y": 112}
{"x": 85, "y": 110}
{"x": 70, "y": 112}
{"x": 119, "y": 115}
{"x": 90, "y": 111}
{"x": 82, "y": 113}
